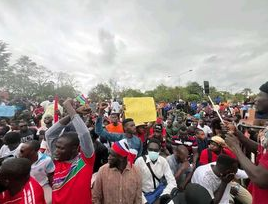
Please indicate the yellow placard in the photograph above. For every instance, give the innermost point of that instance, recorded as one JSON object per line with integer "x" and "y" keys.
{"x": 140, "y": 109}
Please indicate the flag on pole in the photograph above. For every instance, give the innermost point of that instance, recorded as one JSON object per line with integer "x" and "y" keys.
{"x": 81, "y": 99}
{"x": 56, "y": 108}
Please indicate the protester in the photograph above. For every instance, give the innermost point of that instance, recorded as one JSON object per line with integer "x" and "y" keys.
{"x": 11, "y": 145}
{"x": 115, "y": 126}
{"x": 101, "y": 152}
{"x": 48, "y": 102}
{"x": 216, "y": 178}
{"x": 153, "y": 168}
{"x": 129, "y": 131}
{"x": 261, "y": 102}
{"x": 258, "y": 173}
{"x": 205, "y": 128}
{"x": 17, "y": 185}
{"x": 42, "y": 168}
{"x": 73, "y": 168}
{"x": 180, "y": 166}
{"x": 26, "y": 134}
{"x": 119, "y": 181}
{"x": 190, "y": 142}
{"x": 216, "y": 147}
{"x": 202, "y": 141}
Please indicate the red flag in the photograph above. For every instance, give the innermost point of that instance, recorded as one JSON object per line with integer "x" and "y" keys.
{"x": 56, "y": 116}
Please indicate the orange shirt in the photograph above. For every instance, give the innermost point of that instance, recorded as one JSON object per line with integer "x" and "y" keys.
{"x": 115, "y": 129}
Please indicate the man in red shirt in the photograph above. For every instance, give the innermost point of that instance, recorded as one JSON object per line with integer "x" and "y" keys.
{"x": 74, "y": 159}
{"x": 18, "y": 186}
{"x": 216, "y": 147}
{"x": 258, "y": 173}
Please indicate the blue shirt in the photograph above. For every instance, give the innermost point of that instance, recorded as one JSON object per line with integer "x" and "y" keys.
{"x": 134, "y": 142}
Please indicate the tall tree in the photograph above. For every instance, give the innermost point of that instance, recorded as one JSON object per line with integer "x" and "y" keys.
{"x": 100, "y": 92}
{"x": 4, "y": 64}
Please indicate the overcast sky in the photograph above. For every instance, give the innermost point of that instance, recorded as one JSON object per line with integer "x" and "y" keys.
{"x": 142, "y": 42}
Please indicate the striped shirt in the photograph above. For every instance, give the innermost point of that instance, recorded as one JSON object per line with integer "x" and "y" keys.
{"x": 113, "y": 187}
{"x": 32, "y": 193}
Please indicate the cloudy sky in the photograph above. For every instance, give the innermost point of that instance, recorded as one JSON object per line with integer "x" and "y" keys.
{"x": 142, "y": 42}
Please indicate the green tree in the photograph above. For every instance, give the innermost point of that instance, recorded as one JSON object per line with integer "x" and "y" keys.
{"x": 4, "y": 65}
{"x": 131, "y": 93}
{"x": 100, "y": 92}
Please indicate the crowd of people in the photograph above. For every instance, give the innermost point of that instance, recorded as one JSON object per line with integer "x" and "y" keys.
{"x": 93, "y": 154}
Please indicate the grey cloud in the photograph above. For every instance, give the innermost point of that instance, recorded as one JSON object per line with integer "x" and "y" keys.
{"x": 141, "y": 42}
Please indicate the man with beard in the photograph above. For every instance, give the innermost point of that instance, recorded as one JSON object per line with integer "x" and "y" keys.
{"x": 74, "y": 157}
{"x": 257, "y": 173}
{"x": 118, "y": 181}
{"x": 261, "y": 102}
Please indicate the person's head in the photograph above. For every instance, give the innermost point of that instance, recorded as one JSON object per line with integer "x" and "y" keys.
{"x": 129, "y": 126}
{"x": 169, "y": 122}
{"x": 14, "y": 172}
{"x": 114, "y": 118}
{"x": 12, "y": 139}
{"x": 141, "y": 128}
{"x": 226, "y": 165}
{"x": 180, "y": 152}
{"x": 153, "y": 149}
{"x": 261, "y": 102}
{"x": 216, "y": 144}
{"x": 197, "y": 194}
{"x": 119, "y": 153}
{"x": 3, "y": 122}
{"x": 180, "y": 120}
{"x": 50, "y": 98}
{"x": 29, "y": 150}
{"x": 195, "y": 123}
{"x": 14, "y": 125}
{"x": 158, "y": 131}
{"x": 191, "y": 131}
{"x": 23, "y": 126}
{"x": 48, "y": 119}
{"x": 200, "y": 134}
{"x": 201, "y": 122}
{"x": 67, "y": 146}
{"x": 183, "y": 132}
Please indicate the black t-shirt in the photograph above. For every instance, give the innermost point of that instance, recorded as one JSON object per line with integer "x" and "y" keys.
{"x": 28, "y": 135}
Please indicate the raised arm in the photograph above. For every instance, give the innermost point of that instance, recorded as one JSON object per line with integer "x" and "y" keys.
{"x": 101, "y": 131}
{"x": 53, "y": 132}
{"x": 84, "y": 136}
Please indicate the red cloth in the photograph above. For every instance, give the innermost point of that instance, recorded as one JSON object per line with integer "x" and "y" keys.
{"x": 32, "y": 193}
{"x": 56, "y": 116}
{"x": 141, "y": 136}
{"x": 71, "y": 181}
{"x": 204, "y": 156}
{"x": 260, "y": 196}
{"x": 164, "y": 132}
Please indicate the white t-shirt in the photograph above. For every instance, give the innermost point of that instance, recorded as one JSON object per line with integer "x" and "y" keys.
{"x": 44, "y": 146}
{"x": 45, "y": 104}
{"x": 43, "y": 166}
{"x": 206, "y": 129}
{"x": 5, "y": 151}
{"x": 205, "y": 177}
